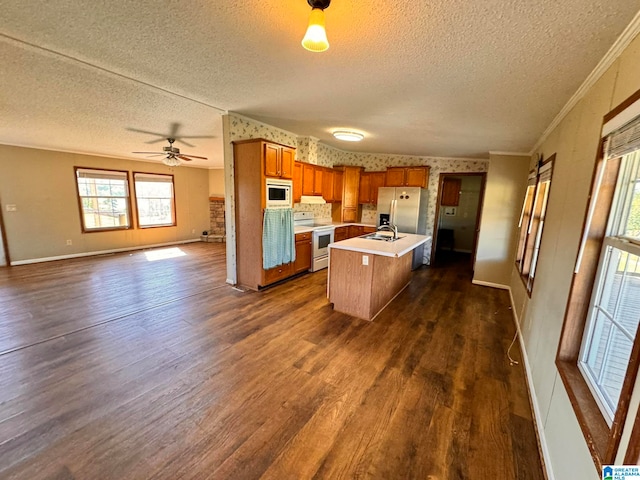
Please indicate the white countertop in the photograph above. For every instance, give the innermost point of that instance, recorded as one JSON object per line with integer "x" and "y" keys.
{"x": 403, "y": 245}
{"x": 335, "y": 224}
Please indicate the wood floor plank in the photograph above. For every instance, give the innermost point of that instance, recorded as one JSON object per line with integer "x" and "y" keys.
{"x": 106, "y": 375}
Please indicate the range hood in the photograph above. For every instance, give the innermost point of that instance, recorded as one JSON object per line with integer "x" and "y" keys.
{"x": 315, "y": 199}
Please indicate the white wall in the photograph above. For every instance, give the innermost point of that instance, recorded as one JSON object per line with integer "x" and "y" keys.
{"x": 575, "y": 141}
{"x": 42, "y": 185}
{"x": 506, "y": 184}
{"x": 463, "y": 223}
{"x": 216, "y": 182}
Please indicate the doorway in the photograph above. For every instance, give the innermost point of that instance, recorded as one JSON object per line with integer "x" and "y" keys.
{"x": 457, "y": 220}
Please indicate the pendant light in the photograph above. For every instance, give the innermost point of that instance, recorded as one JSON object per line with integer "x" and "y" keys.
{"x": 315, "y": 40}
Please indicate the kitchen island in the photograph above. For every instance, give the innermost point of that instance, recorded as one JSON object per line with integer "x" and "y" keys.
{"x": 366, "y": 275}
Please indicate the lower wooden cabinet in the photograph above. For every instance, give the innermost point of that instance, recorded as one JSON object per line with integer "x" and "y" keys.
{"x": 277, "y": 273}
{"x": 366, "y": 230}
{"x": 340, "y": 234}
{"x": 355, "y": 231}
{"x": 303, "y": 252}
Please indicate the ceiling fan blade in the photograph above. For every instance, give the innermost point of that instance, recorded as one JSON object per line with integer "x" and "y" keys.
{"x": 193, "y": 156}
{"x": 183, "y": 157}
{"x": 185, "y": 143}
{"x": 150, "y": 153}
{"x": 156, "y": 155}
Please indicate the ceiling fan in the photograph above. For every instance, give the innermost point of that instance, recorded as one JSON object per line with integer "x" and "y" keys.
{"x": 172, "y": 154}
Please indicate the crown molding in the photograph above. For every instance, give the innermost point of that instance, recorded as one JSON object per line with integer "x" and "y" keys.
{"x": 511, "y": 154}
{"x": 614, "y": 52}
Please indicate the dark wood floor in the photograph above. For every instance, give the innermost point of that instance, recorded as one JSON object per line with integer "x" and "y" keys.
{"x": 116, "y": 367}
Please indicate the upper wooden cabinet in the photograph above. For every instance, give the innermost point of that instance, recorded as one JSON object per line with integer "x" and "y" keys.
{"x": 451, "y": 192}
{"x": 370, "y": 182}
{"x": 317, "y": 180}
{"x": 278, "y": 160}
{"x": 407, "y": 177}
{"x": 308, "y": 178}
{"x": 348, "y": 210}
{"x": 377, "y": 180}
{"x": 328, "y": 185}
{"x": 297, "y": 182}
{"x": 365, "y": 188}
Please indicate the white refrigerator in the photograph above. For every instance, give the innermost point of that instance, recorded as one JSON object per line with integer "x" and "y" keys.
{"x": 405, "y": 207}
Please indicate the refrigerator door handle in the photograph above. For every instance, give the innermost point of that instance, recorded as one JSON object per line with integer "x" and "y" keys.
{"x": 392, "y": 217}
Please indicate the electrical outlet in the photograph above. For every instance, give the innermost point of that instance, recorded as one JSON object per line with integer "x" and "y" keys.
{"x": 365, "y": 259}
{"x": 193, "y": 230}
{"x": 69, "y": 242}
{"x": 12, "y": 208}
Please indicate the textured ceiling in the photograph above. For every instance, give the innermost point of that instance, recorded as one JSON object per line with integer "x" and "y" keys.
{"x": 443, "y": 78}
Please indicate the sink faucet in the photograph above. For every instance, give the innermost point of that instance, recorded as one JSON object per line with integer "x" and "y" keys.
{"x": 390, "y": 228}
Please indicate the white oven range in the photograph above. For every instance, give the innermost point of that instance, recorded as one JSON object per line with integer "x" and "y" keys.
{"x": 321, "y": 237}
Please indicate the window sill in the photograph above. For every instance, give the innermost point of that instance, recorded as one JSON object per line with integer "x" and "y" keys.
{"x": 593, "y": 425}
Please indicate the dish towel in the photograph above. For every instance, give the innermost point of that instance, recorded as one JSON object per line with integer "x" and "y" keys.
{"x": 278, "y": 238}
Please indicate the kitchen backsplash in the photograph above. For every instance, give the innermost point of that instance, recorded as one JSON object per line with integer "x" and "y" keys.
{"x": 310, "y": 150}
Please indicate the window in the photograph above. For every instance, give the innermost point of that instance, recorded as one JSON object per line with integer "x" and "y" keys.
{"x": 104, "y": 199}
{"x": 154, "y": 200}
{"x": 599, "y": 352}
{"x": 614, "y": 312}
{"x": 532, "y": 221}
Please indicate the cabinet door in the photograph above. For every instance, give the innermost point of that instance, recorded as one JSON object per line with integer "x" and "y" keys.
{"x": 395, "y": 177}
{"x": 271, "y": 160}
{"x": 369, "y": 230}
{"x": 317, "y": 180}
{"x": 355, "y": 231}
{"x": 338, "y": 184}
{"x": 303, "y": 255}
{"x": 351, "y": 187}
{"x": 340, "y": 234}
{"x": 451, "y": 192}
{"x": 365, "y": 188}
{"x": 308, "y": 174}
{"x": 297, "y": 182}
{"x": 277, "y": 273}
{"x": 377, "y": 181}
{"x": 328, "y": 185}
{"x": 287, "y": 156}
{"x": 416, "y": 177}
{"x": 350, "y": 214}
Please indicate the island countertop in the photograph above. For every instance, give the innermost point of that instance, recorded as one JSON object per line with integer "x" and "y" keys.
{"x": 405, "y": 243}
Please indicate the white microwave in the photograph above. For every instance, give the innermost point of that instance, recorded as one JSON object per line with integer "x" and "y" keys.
{"x": 278, "y": 193}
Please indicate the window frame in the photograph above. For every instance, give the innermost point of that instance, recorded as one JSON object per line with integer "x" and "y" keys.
{"x": 603, "y": 440}
{"x": 79, "y": 197}
{"x": 174, "y": 215}
{"x": 531, "y": 224}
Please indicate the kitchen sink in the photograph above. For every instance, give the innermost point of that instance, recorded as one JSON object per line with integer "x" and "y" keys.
{"x": 380, "y": 237}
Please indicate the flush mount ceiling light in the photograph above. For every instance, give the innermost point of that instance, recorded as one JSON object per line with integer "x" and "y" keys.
{"x": 348, "y": 135}
{"x": 315, "y": 40}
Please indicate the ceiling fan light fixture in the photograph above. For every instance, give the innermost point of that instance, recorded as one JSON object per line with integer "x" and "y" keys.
{"x": 315, "y": 40}
{"x": 348, "y": 135}
{"x": 172, "y": 162}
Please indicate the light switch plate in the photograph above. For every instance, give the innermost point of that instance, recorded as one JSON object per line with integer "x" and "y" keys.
{"x": 12, "y": 208}
{"x": 365, "y": 259}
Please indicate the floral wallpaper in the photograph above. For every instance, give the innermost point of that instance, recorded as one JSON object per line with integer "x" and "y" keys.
{"x": 308, "y": 149}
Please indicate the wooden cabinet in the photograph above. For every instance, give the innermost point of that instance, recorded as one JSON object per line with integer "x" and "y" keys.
{"x": 366, "y": 230}
{"x": 317, "y": 180}
{"x": 328, "y": 185}
{"x": 355, "y": 231}
{"x": 338, "y": 181}
{"x": 303, "y": 252}
{"x": 407, "y": 177}
{"x": 377, "y": 181}
{"x": 254, "y": 160}
{"x": 308, "y": 178}
{"x": 297, "y": 182}
{"x": 340, "y": 234}
{"x": 370, "y": 182}
{"x": 277, "y": 273}
{"x": 364, "y": 195}
{"x": 451, "y": 192}
{"x": 348, "y": 210}
{"x": 278, "y": 160}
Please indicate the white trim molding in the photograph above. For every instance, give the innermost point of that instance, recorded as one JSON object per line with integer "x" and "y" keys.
{"x": 490, "y": 284}
{"x": 100, "y": 252}
{"x": 614, "y": 52}
{"x": 533, "y": 397}
{"x": 510, "y": 154}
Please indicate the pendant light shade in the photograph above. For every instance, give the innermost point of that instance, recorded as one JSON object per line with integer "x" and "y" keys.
{"x": 315, "y": 40}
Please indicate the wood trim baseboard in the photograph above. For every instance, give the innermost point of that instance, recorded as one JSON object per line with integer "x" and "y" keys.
{"x": 491, "y": 284}
{"x": 543, "y": 447}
